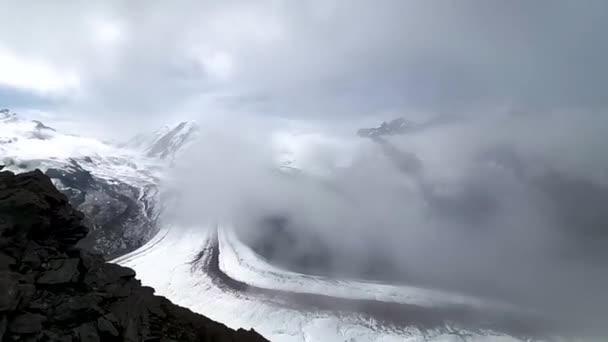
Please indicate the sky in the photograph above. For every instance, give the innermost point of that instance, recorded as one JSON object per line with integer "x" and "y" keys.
{"x": 119, "y": 63}
{"x": 506, "y": 199}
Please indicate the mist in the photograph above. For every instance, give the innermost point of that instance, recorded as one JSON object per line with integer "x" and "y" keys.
{"x": 500, "y": 191}
{"x": 506, "y": 206}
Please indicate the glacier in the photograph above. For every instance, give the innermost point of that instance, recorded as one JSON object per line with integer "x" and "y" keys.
{"x": 180, "y": 264}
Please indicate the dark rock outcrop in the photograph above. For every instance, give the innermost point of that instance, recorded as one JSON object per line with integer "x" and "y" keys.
{"x": 121, "y": 216}
{"x": 51, "y": 290}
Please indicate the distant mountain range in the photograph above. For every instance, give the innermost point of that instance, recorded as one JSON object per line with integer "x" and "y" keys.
{"x": 402, "y": 126}
{"x": 115, "y": 186}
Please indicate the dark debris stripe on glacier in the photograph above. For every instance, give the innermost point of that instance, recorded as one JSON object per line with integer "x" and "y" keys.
{"x": 458, "y": 319}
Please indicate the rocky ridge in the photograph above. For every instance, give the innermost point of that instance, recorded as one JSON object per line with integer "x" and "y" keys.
{"x": 51, "y": 290}
{"x": 393, "y": 127}
{"x": 400, "y": 126}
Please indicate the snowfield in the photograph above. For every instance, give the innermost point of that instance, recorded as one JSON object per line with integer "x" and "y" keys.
{"x": 26, "y": 145}
{"x": 178, "y": 263}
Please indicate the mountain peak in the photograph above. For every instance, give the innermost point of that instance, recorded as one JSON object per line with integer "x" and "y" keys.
{"x": 165, "y": 142}
{"x": 393, "y": 127}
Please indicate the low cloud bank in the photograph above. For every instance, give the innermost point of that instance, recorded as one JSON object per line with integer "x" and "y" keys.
{"x": 510, "y": 206}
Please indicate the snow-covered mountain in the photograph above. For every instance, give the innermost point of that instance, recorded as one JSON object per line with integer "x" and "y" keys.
{"x": 116, "y": 187}
{"x": 402, "y": 126}
{"x": 393, "y": 127}
{"x": 167, "y": 141}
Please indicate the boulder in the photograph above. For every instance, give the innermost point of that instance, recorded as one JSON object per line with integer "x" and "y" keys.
{"x": 106, "y": 327}
{"x": 78, "y": 308}
{"x": 26, "y": 292}
{"x": 6, "y": 262}
{"x": 27, "y": 323}
{"x": 3, "y": 326}
{"x": 9, "y": 292}
{"x": 87, "y": 333}
{"x": 66, "y": 272}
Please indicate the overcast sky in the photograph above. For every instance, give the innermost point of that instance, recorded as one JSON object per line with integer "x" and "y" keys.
{"x": 520, "y": 184}
{"x": 129, "y": 60}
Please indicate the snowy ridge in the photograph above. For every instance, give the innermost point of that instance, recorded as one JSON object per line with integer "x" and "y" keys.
{"x": 30, "y": 144}
{"x": 30, "y": 140}
{"x": 393, "y": 127}
{"x": 166, "y": 142}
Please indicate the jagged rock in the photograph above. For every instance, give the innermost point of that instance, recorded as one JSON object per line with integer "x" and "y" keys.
{"x": 66, "y": 272}
{"x": 9, "y": 292}
{"x": 78, "y": 308}
{"x": 26, "y": 293}
{"x": 122, "y": 289}
{"x": 393, "y": 127}
{"x": 32, "y": 255}
{"x": 27, "y": 323}
{"x": 85, "y": 299}
{"x": 33, "y": 208}
{"x": 87, "y": 333}
{"x": 90, "y": 260}
{"x": 112, "y": 278}
{"x": 106, "y": 327}
{"x": 116, "y": 272}
{"x": 3, "y": 326}
{"x": 55, "y": 336}
{"x": 6, "y": 262}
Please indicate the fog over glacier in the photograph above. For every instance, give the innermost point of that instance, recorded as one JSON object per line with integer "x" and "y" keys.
{"x": 504, "y": 195}
{"x": 494, "y": 207}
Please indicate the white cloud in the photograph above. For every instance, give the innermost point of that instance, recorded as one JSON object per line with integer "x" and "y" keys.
{"x": 108, "y": 33}
{"x": 218, "y": 64}
{"x": 323, "y": 59}
{"x": 36, "y": 76}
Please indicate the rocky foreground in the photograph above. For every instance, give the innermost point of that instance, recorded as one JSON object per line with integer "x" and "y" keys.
{"x": 51, "y": 290}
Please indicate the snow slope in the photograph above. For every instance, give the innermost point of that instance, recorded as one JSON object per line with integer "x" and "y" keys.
{"x": 166, "y": 142}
